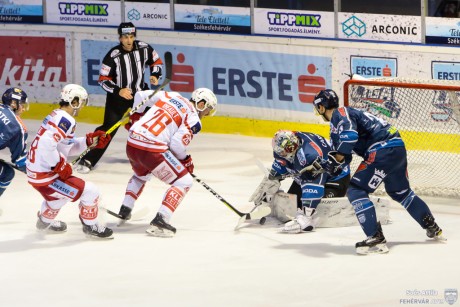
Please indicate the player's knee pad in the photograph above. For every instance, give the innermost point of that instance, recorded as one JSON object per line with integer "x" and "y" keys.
{"x": 90, "y": 195}
{"x": 6, "y": 175}
{"x": 354, "y": 192}
{"x": 184, "y": 182}
{"x": 400, "y": 196}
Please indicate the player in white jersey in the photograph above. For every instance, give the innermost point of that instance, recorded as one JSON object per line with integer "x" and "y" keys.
{"x": 157, "y": 146}
{"x": 51, "y": 175}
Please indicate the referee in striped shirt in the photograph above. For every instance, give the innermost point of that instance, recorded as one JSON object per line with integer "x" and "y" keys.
{"x": 121, "y": 76}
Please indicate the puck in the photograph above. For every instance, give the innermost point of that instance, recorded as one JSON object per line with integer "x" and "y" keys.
{"x": 263, "y": 220}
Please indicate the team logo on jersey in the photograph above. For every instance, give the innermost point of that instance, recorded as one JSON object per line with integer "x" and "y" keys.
{"x": 186, "y": 139}
{"x": 64, "y": 124}
{"x": 196, "y": 128}
{"x": 342, "y": 111}
{"x": 377, "y": 179}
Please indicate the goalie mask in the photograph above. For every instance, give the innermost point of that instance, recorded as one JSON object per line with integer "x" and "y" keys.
{"x": 326, "y": 98}
{"x": 210, "y": 100}
{"x": 75, "y": 96}
{"x": 285, "y": 144}
{"x": 17, "y": 96}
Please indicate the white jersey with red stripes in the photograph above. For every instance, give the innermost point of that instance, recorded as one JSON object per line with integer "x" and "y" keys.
{"x": 169, "y": 124}
{"x": 55, "y": 138}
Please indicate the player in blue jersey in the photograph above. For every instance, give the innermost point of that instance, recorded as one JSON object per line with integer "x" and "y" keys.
{"x": 300, "y": 155}
{"x": 385, "y": 160}
{"x": 13, "y": 134}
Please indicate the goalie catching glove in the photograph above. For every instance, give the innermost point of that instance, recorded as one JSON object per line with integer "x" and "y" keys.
{"x": 97, "y": 139}
{"x": 265, "y": 191}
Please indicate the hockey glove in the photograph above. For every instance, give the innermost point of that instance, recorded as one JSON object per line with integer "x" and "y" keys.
{"x": 332, "y": 166}
{"x": 63, "y": 169}
{"x": 97, "y": 139}
{"x": 132, "y": 119}
{"x": 21, "y": 165}
{"x": 188, "y": 163}
{"x": 265, "y": 191}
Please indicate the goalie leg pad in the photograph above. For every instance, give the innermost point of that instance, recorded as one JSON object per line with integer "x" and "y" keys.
{"x": 331, "y": 212}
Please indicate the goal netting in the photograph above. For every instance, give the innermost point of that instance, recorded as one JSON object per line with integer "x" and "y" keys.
{"x": 427, "y": 114}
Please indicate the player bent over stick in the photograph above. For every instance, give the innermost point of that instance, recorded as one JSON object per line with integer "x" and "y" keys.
{"x": 385, "y": 160}
{"x": 51, "y": 175}
{"x": 157, "y": 146}
{"x": 301, "y": 155}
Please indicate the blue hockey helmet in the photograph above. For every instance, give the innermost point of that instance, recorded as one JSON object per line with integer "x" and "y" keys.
{"x": 326, "y": 98}
{"x": 15, "y": 94}
{"x": 285, "y": 144}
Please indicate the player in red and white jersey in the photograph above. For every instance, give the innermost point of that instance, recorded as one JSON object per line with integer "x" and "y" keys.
{"x": 51, "y": 175}
{"x": 157, "y": 146}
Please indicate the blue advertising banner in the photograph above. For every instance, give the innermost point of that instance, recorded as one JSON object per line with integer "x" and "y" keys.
{"x": 373, "y": 67}
{"x": 237, "y": 77}
{"x": 216, "y": 19}
{"x": 19, "y": 12}
{"x": 443, "y": 70}
{"x": 444, "y": 31}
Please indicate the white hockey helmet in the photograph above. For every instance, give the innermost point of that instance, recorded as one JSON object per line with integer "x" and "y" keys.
{"x": 209, "y": 98}
{"x": 285, "y": 144}
{"x": 74, "y": 93}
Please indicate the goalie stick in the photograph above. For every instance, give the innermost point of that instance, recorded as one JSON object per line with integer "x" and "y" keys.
{"x": 168, "y": 66}
{"x": 254, "y": 214}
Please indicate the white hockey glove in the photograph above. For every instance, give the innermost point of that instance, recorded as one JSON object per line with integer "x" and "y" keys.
{"x": 265, "y": 191}
{"x": 304, "y": 221}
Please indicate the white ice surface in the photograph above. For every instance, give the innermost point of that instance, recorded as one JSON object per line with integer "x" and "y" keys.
{"x": 207, "y": 263}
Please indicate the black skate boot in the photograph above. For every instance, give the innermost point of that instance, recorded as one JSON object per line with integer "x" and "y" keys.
{"x": 54, "y": 226}
{"x": 159, "y": 228}
{"x": 373, "y": 245}
{"x": 97, "y": 231}
{"x": 125, "y": 212}
{"x": 432, "y": 229}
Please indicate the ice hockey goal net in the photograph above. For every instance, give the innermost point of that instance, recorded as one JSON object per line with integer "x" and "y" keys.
{"x": 427, "y": 114}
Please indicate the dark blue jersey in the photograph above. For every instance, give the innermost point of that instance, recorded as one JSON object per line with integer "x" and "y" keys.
{"x": 311, "y": 147}
{"x": 13, "y": 135}
{"x": 359, "y": 132}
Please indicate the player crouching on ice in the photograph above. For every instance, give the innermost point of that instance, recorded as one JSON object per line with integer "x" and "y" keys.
{"x": 301, "y": 155}
{"x": 157, "y": 146}
{"x": 51, "y": 175}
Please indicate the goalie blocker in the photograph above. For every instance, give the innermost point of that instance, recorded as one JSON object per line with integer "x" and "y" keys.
{"x": 331, "y": 212}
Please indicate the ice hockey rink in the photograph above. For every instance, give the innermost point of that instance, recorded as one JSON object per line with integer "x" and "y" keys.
{"x": 208, "y": 263}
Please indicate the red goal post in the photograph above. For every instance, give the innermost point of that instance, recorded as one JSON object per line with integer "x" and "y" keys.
{"x": 427, "y": 114}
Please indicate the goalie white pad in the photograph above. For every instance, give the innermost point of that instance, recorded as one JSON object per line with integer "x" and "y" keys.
{"x": 331, "y": 212}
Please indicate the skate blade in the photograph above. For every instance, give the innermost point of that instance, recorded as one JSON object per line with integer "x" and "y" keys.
{"x": 48, "y": 231}
{"x": 440, "y": 238}
{"x": 92, "y": 237}
{"x": 159, "y": 232}
{"x": 377, "y": 249}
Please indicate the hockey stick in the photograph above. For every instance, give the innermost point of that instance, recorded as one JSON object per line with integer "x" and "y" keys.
{"x": 256, "y": 214}
{"x": 139, "y": 214}
{"x": 12, "y": 165}
{"x": 168, "y": 66}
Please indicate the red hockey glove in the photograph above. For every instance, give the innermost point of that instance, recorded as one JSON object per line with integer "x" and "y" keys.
{"x": 63, "y": 169}
{"x": 97, "y": 139}
{"x": 188, "y": 163}
{"x": 132, "y": 119}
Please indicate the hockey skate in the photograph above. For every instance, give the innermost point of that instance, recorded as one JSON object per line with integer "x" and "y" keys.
{"x": 97, "y": 231}
{"x": 303, "y": 222}
{"x": 54, "y": 226}
{"x": 125, "y": 213}
{"x": 432, "y": 229}
{"x": 373, "y": 245}
{"x": 159, "y": 228}
{"x": 84, "y": 167}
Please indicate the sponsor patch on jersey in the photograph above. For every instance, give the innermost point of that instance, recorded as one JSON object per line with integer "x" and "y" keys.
{"x": 64, "y": 189}
{"x": 186, "y": 139}
{"x": 57, "y": 137}
{"x": 142, "y": 44}
{"x": 196, "y": 128}
{"x": 342, "y": 111}
{"x": 172, "y": 160}
{"x": 105, "y": 70}
{"x": 64, "y": 124}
